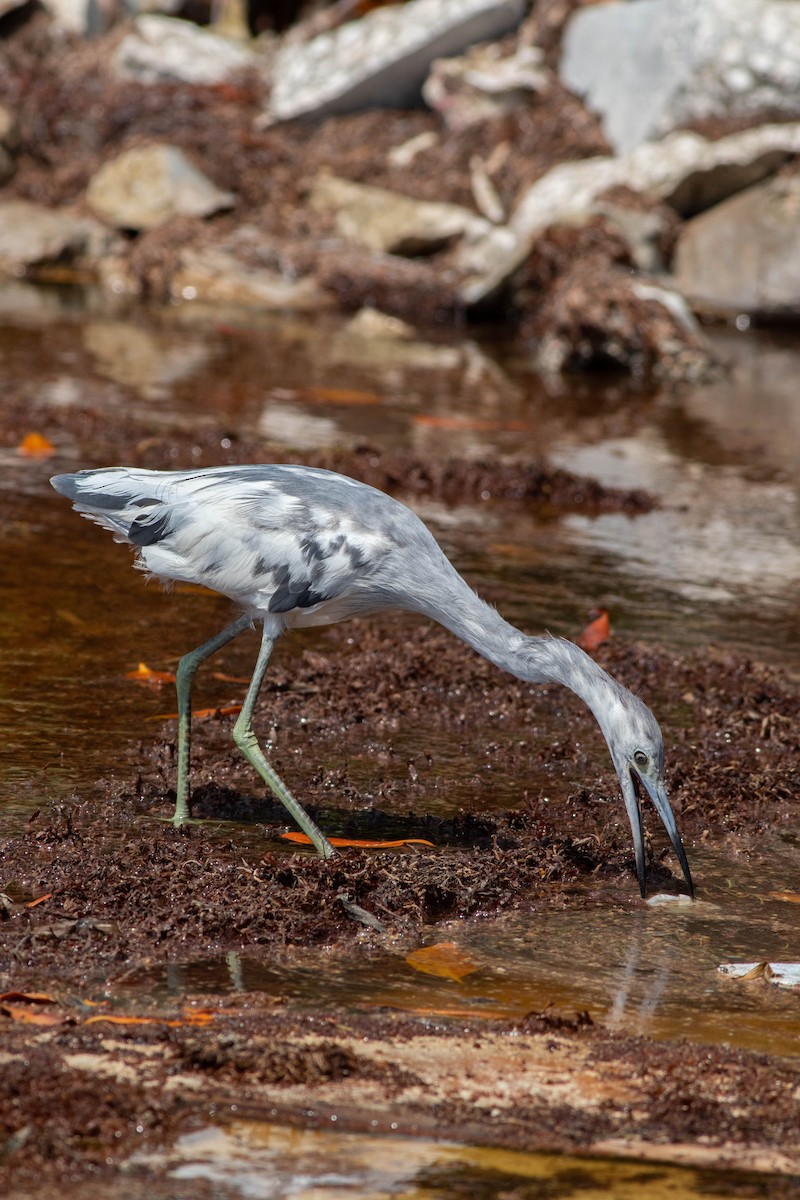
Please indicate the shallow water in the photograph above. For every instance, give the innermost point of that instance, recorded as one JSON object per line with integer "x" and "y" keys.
{"x": 718, "y": 562}
{"x": 263, "y": 1162}
{"x": 648, "y": 971}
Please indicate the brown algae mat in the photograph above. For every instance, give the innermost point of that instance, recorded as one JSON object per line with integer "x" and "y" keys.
{"x": 118, "y": 891}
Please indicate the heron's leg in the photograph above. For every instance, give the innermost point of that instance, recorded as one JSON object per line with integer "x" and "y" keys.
{"x": 246, "y": 740}
{"x": 184, "y": 678}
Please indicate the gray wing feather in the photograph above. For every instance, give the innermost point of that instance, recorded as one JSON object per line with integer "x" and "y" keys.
{"x": 274, "y": 538}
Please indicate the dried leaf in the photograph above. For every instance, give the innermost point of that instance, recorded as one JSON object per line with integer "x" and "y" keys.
{"x": 202, "y": 714}
{"x": 761, "y": 970}
{"x": 331, "y": 395}
{"x": 787, "y": 897}
{"x": 596, "y": 632}
{"x": 71, "y": 618}
{"x": 190, "y": 1017}
{"x": 302, "y": 839}
{"x": 29, "y": 1016}
{"x": 444, "y": 959}
{"x": 145, "y": 674}
{"x": 28, "y": 997}
{"x": 782, "y": 974}
{"x": 470, "y": 424}
{"x": 36, "y": 445}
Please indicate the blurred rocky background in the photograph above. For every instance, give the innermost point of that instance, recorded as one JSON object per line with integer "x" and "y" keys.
{"x": 600, "y": 178}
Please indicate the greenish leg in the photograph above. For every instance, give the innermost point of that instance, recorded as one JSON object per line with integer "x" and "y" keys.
{"x": 184, "y": 678}
{"x": 246, "y": 740}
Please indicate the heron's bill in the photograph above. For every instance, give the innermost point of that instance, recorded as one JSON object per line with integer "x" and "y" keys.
{"x": 658, "y": 794}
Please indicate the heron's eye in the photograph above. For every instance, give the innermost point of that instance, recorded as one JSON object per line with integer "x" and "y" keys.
{"x": 640, "y": 758}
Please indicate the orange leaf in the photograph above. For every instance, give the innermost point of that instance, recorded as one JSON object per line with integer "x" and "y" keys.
{"x": 788, "y": 897}
{"x": 596, "y": 632}
{"x": 360, "y": 843}
{"x": 28, "y": 997}
{"x": 332, "y": 395}
{"x": 202, "y": 714}
{"x": 29, "y": 1016}
{"x": 324, "y": 395}
{"x": 443, "y": 959}
{"x": 189, "y": 1018}
{"x": 145, "y": 674}
{"x": 36, "y": 445}
{"x": 470, "y": 424}
{"x": 40, "y": 900}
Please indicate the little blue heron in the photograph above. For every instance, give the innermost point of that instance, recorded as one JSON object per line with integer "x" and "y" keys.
{"x": 299, "y": 546}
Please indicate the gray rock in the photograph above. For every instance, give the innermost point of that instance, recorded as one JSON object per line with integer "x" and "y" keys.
{"x": 651, "y": 66}
{"x": 217, "y": 277}
{"x": 145, "y": 186}
{"x": 33, "y": 237}
{"x": 382, "y": 60}
{"x": 484, "y": 83}
{"x": 683, "y": 169}
{"x": 744, "y": 255}
{"x": 164, "y": 48}
{"x": 389, "y": 222}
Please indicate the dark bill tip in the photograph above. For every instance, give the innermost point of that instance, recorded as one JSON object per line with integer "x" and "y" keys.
{"x": 658, "y": 794}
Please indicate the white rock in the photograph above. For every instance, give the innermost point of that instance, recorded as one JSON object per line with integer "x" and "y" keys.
{"x": 484, "y": 83}
{"x": 165, "y": 48}
{"x": 32, "y": 236}
{"x": 389, "y": 222}
{"x": 668, "y": 900}
{"x": 685, "y": 170}
{"x": 744, "y": 255}
{"x": 371, "y": 323}
{"x": 217, "y": 277}
{"x": 382, "y": 60}
{"x": 404, "y": 154}
{"x": 145, "y": 186}
{"x": 652, "y": 66}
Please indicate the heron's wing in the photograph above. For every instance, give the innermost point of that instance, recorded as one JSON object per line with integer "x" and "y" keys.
{"x": 258, "y": 540}
{"x": 258, "y": 544}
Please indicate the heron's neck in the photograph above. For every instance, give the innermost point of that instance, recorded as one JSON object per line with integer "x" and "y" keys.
{"x": 534, "y": 659}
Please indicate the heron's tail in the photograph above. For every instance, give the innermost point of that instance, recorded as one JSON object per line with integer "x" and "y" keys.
{"x": 117, "y": 498}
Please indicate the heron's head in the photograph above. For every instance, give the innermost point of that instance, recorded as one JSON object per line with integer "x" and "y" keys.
{"x": 637, "y": 750}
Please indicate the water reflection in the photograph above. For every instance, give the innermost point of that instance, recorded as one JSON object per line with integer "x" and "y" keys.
{"x": 642, "y": 971}
{"x": 267, "y": 1162}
